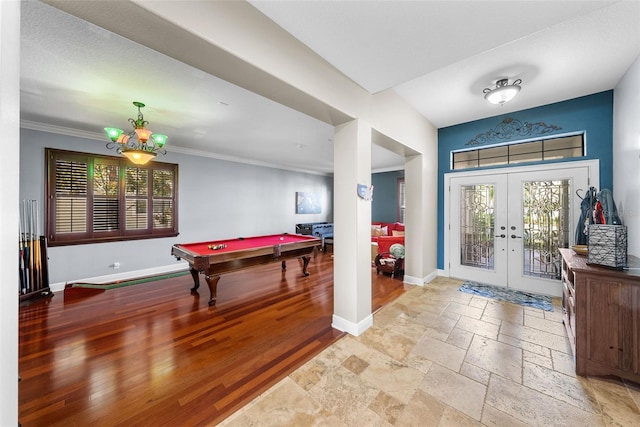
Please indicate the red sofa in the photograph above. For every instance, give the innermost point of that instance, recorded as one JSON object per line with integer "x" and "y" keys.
{"x": 386, "y": 234}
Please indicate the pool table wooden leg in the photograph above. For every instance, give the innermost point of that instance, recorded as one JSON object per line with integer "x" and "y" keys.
{"x": 212, "y": 282}
{"x": 305, "y": 260}
{"x": 196, "y": 279}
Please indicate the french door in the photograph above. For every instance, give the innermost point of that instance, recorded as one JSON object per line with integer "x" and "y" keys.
{"x": 506, "y": 227}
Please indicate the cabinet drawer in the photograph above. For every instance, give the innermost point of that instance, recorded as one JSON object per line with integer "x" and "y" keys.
{"x": 569, "y": 310}
{"x": 571, "y": 307}
{"x": 568, "y": 284}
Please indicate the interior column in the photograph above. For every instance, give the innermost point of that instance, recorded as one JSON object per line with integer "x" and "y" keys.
{"x": 420, "y": 219}
{"x": 9, "y": 207}
{"x": 352, "y": 228}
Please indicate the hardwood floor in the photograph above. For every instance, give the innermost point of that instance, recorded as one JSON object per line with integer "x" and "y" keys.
{"x": 153, "y": 354}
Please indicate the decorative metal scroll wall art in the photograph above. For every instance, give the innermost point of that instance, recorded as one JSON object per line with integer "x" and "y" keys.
{"x": 510, "y": 128}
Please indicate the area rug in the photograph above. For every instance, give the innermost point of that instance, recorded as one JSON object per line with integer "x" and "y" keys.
{"x": 542, "y": 302}
{"x": 120, "y": 284}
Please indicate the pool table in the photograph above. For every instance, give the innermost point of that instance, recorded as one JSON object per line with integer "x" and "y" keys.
{"x": 214, "y": 258}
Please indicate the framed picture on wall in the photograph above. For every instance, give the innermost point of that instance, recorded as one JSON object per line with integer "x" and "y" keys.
{"x": 308, "y": 203}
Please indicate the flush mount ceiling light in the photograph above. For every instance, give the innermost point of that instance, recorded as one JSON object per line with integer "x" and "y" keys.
{"x": 140, "y": 145}
{"x": 503, "y": 92}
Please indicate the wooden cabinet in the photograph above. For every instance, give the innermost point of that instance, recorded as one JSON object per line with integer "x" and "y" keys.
{"x": 601, "y": 309}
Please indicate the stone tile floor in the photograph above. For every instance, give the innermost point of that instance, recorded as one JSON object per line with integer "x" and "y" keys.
{"x": 440, "y": 357}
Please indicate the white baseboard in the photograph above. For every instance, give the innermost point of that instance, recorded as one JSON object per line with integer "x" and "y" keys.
{"x": 352, "y": 328}
{"x": 57, "y": 287}
{"x": 420, "y": 281}
{"x": 431, "y": 276}
{"x": 411, "y": 280}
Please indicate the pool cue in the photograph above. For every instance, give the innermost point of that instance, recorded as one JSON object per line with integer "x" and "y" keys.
{"x": 21, "y": 285}
{"x": 37, "y": 284}
{"x": 40, "y": 284}
{"x": 36, "y": 247}
{"x": 25, "y": 249}
{"x": 32, "y": 255}
{"x": 31, "y": 272}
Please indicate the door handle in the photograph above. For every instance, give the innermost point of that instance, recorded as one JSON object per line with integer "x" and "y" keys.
{"x": 513, "y": 236}
{"x": 501, "y": 235}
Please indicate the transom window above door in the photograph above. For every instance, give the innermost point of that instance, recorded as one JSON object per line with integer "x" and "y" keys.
{"x": 520, "y": 152}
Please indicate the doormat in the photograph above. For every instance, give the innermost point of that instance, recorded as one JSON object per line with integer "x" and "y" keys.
{"x": 122, "y": 284}
{"x": 526, "y": 299}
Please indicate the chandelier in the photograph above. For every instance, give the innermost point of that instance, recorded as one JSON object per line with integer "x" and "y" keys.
{"x": 503, "y": 92}
{"x": 140, "y": 145}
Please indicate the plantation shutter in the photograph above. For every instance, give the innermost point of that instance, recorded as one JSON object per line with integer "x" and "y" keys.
{"x": 92, "y": 198}
{"x": 106, "y": 196}
{"x": 70, "y": 183}
{"x": 136, "y": 198}
{"x": 163, "y": 191}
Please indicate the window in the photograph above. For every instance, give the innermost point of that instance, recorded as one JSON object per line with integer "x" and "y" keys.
{"x": 523, "y": 152}
{"x": 401, "y": 200}
{"x": 93, "y": 198}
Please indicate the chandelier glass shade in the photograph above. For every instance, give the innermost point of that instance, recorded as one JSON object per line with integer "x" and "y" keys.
{"x": 139, "y": 145}
{"x": 503, "y": 92}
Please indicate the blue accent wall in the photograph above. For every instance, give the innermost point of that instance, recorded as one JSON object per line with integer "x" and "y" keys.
{"x": 384, "y": 207}
{"x": 592, "y": 114}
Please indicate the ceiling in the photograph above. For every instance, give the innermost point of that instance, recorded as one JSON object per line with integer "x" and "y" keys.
{"x": 77, "y": 78}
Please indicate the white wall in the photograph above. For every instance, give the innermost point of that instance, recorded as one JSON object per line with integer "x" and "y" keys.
{"x": 626, "y": 154}
{"x": 9, "y": 127}
{"x": 217, "y": 199}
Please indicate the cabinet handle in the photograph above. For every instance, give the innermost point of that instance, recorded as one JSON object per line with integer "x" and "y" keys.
{"x": 513, "y": 236}
{"x": 501, "y": 236}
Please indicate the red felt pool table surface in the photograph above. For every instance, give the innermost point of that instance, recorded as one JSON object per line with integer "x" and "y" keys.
{"x": 240, "y": 253}
{"x": 241, "y": 243}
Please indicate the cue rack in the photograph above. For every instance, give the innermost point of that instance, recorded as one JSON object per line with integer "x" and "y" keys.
{"x": 32, "y": 257}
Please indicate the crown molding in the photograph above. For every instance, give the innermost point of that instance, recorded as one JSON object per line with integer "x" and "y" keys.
{"x": 199, "y": 153}
{"x": 61, "y": 130}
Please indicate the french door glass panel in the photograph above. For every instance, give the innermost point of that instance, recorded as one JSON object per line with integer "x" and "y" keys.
{"x": 475, "y": 250}
{"x": 477, "y": 225}
{"x": 545, "y": 215}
